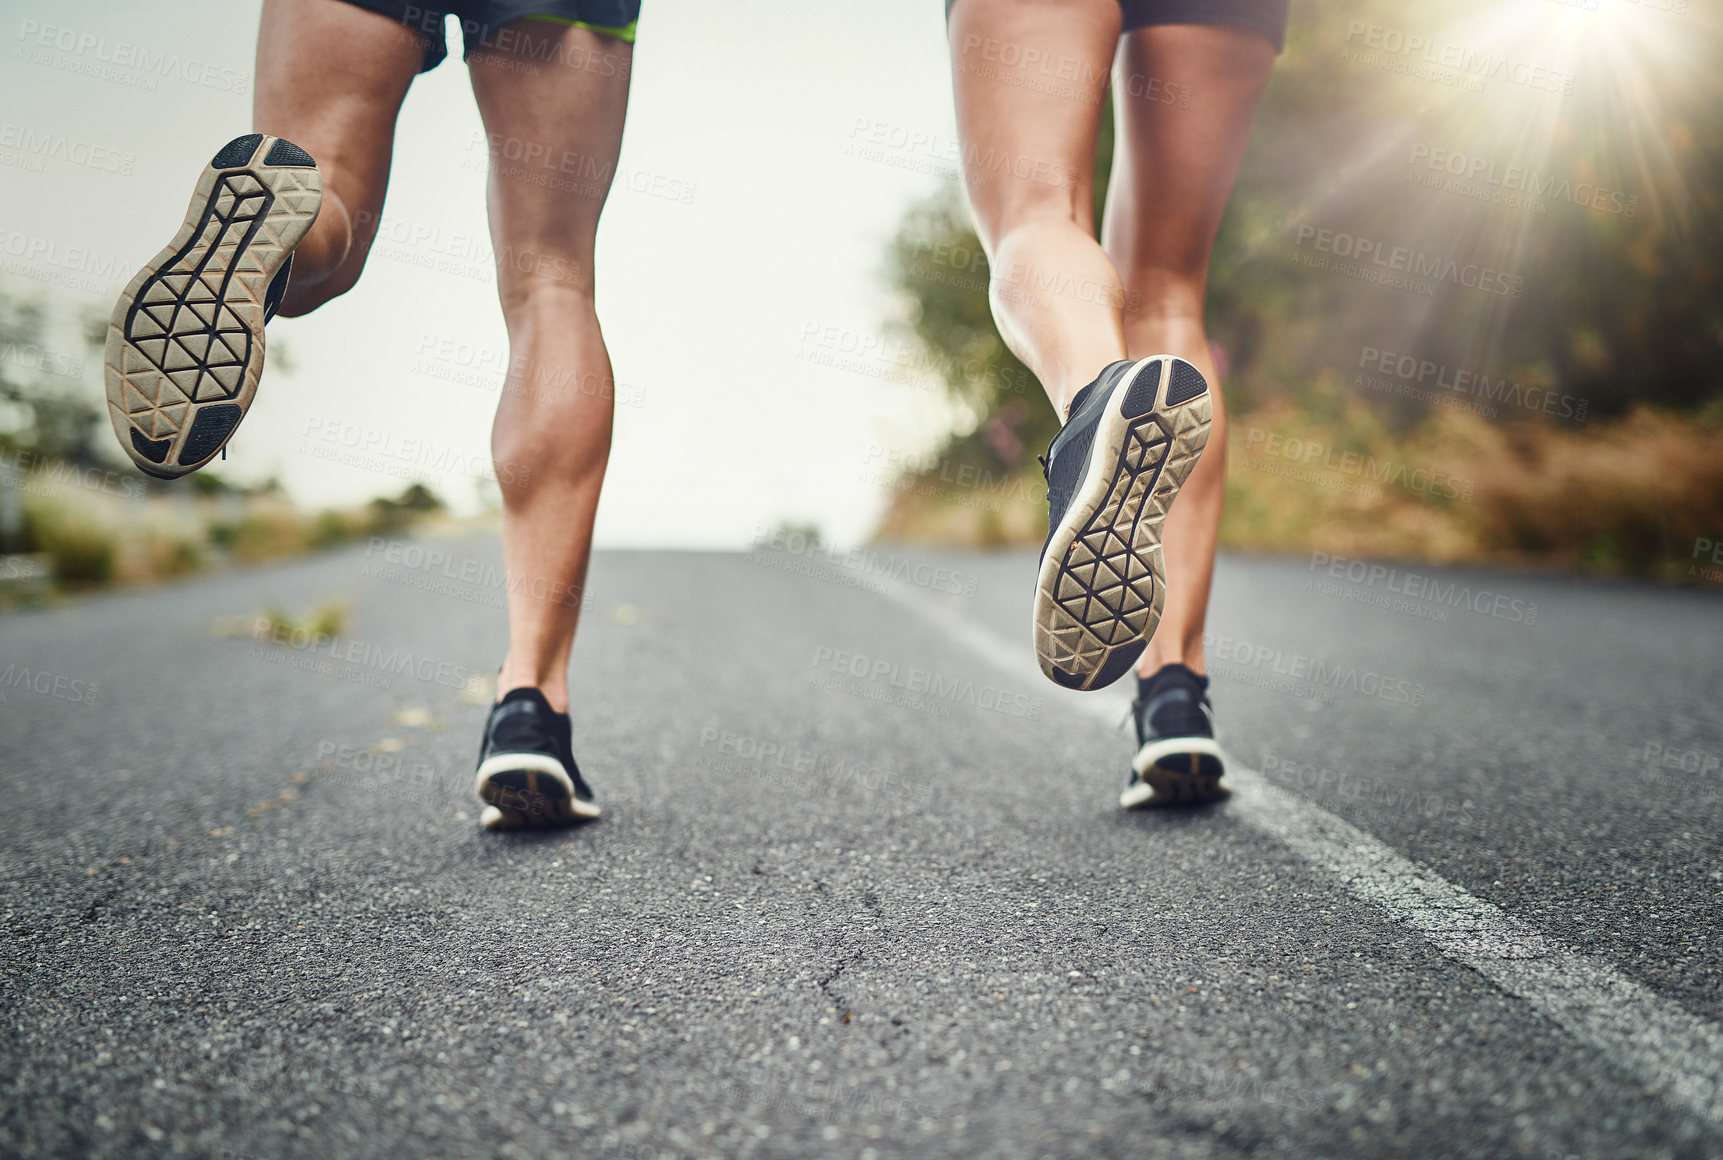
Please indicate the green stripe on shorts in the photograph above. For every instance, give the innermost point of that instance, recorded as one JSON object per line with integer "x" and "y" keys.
{"x": 622, "y": 32}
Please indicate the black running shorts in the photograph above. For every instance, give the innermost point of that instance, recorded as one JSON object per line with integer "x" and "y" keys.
{"x": 482, "y": 20}
{"x": 1265, "y": 16}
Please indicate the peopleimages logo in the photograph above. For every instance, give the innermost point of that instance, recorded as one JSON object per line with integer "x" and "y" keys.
{"x": 1375, "y": 795}
{"x": 860, "y": 564}
{"x": 868, "y": 137}
{"x": 1065, "y": 68}
{"x": 363, "y": 655}
{"x": 1412, "y": 263}
{"x": 401, "y": 775}
{"x": 1417, "y": 586}
{"x": 1519, "y": 179}
{"x": 372, "y": 449}
{"x": 123, "y": 54}
{"x": 1707, "y": 554}
{"x": 32, "y": 356}
{"x": 46, "y": 684}
{"x": 103, "y": 268}
{"x": 463, "y": 577}
{"x": 1266, "y": 661}
{"x": 1477, "y": 63}
{"x": 1309, "y": 452}
{"x": 39, "y": 145}
{"x": 36, "y": 474}
{"x": 805, "y": 767}
{"x": 935, "y": 687}
{"x": 970, "y": 269}
{"x": 1685, "y": 760}
{"x": 895, "y": 360}
{"x": 1423, "y": 372}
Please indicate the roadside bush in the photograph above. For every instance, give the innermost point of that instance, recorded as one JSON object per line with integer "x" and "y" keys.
{"x": 80, "y": 549}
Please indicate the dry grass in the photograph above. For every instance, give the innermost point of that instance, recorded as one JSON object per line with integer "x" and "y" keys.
{"x": 1628, "y": 497}
{"x": 325, "y": 621}
{"x": 92, "y": 538}
{"x": 1633, "y": 498}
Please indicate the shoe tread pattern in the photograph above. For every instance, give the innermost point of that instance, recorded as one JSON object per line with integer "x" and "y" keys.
{"x": 1109, "y": 587}
{"x": 188, "y": 332}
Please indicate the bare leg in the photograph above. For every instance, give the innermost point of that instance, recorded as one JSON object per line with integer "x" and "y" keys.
{"x": 555, "y": 101}
{"x": 330, "y": 78}
{"x": 1029, "y": 159}
{"x": 1173, "y": 169}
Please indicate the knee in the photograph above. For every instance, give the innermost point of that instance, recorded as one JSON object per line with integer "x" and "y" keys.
{"x": 329, "y": 258}
{"x": 305, "y": 294}
{"x": 1170, "y": 262}
{"x": 534, "y": 278}
{"x": 1029, "y": 209}
{"x": 1162, "y": 291}
{"x": 301, "y": 299}
{"x": 553, "y": 300}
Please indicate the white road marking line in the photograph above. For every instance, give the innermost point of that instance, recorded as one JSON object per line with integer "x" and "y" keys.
{"x": 1666, "y": 1047}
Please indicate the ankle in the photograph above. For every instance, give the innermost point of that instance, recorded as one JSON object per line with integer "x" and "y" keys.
{"x": 1066, "y": 397}
{"x": 555, "y": 692}
{"x": 1174, "y": 676}
{"x": 1065, "y": 392}
{"x": 1153, "y": 663}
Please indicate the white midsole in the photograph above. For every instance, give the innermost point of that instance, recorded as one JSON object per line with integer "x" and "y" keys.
{"x": 1155, "y": 750}
{"x": 1141, "y": 792}
{"x": 1136, "y": 794}
{"x": 1098, "y": 480}
{"x": 536, "y": 763}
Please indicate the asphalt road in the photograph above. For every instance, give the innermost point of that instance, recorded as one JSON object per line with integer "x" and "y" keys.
{"x": 861, "y": 890}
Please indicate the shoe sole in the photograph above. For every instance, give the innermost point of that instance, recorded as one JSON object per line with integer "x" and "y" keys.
{"x": 1102, "y": 584}
{"x": 1176, "y": 771}
{"x": 185, "y": 342}
{"x": 528, "y": 791}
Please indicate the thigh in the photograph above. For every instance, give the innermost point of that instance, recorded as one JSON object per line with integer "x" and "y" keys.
{"x": 1184, "y": 96}
{"x": 1030, "y": 77}
{"x": 553, "y": 98}
{"x": 331, "y": 77}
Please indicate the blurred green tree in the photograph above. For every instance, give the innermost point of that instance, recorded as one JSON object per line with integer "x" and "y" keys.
{"x": 46, "y": 409}
{"x": 1570, "y": 159}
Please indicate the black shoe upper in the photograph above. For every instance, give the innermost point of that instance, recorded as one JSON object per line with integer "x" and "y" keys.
{"x": 277, "y": 289}
{"x": 1172, "y": 703}
{"x": 524, "y": 722}
{"x": 1067, "y": 458}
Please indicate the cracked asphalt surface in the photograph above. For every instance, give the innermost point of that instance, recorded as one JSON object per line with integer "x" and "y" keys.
{"x": 868, "y": 908}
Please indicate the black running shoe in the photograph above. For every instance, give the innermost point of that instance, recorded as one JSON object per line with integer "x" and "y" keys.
{"x": 1133, "y": 436}
{"x": 1177, "y": 760}
{"x": 527, "y": 776}
{"x": 185, "y": 343}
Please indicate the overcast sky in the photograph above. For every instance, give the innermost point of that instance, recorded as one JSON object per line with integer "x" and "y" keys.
{"x": 768, "y": 249}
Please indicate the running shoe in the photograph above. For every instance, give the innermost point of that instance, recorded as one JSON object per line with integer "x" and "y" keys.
{"x": 1178, "y": 761}
{"x": 1133, "y": 436}
{"x": 527, "y": 777}
{"x": 185, "y": 343}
